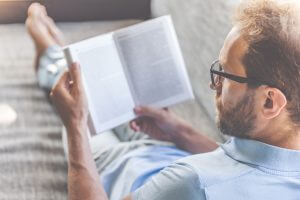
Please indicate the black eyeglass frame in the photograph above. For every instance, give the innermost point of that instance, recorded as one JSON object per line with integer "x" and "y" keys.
{"x": 235, "y": 78}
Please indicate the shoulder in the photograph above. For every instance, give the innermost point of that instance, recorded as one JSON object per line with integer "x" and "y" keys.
{"x": 188, "y": 178}
{"x": 176, "y": 182}
{"x": 214, "y": 167}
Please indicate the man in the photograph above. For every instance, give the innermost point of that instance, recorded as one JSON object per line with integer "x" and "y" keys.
{"x": 256, "y": 80}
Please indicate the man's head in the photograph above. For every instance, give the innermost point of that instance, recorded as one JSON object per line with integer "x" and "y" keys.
{"x": 264, "y": 45}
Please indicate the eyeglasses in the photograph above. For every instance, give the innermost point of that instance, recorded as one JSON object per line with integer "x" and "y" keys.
{"x": 217, "y": 73}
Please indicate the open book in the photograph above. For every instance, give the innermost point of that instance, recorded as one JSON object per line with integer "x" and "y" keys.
{"x": 138, "y": 65}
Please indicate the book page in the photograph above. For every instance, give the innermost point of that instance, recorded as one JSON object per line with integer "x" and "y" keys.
{"x": 109, "y": 97}
{"x": 155, "y": 75}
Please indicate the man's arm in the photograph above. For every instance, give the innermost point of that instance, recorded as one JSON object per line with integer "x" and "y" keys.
{"x": 83, "y": 178}
{"x": 194, "y": 141}
{"x": 161, "y": 124}
{"x": 69, "y": 98}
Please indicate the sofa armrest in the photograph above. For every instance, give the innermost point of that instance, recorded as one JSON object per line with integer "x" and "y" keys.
{"x": 15, "y": 11}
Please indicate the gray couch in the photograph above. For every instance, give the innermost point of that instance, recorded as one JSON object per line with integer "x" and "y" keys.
{"x": 15, "y": 11}
{"x": 32, "y": 161}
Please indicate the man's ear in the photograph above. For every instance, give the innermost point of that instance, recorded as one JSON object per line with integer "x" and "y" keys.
{"x": 274, "y": 102}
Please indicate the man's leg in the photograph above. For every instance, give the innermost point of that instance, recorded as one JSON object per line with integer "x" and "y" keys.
{"x": 51, "y": 63}
{"x": 47, "y": 38}
{"x": 126, "y": 134}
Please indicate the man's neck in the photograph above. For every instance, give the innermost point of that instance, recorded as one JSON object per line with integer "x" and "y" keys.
{"x": 288, "y": 138}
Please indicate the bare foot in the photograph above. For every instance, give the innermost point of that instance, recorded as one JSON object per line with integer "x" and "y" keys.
{"x": 54, "y": 31}
{"x": 42, "y": 30}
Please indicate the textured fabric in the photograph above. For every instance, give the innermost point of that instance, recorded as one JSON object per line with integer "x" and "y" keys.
{"x": 52, "y": 64}
{"x": 127, "y": 173}
{"x": 114, "y": 164}
{"x": 239, "y": 169}
{"x": 32, "y": 161}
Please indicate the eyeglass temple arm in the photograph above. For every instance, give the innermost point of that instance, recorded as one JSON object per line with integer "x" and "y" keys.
{"x": 238, "y": 78}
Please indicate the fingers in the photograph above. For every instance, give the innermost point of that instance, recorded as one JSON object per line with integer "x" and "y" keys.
{"x": 134, "y": 126}
{"x": 60, "y": 91}
{"x": 75, "y": 74}
{"x": 140, "y": 124}
{"x": 150, "y": 112}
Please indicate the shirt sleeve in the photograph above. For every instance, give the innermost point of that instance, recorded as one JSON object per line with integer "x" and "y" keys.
{"x": 176, "y": 182}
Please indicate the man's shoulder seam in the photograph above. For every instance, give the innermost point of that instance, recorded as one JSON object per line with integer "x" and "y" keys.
{"x": 247, "y": 172}
{"x": 203, "y": 184}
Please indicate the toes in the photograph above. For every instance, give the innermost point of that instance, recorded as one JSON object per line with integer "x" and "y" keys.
{"x": 44, "y": 10}
{"x": 40, "y": 27}
{"x": 34, "y": 9}
{"x": 37, "y": 16}
{"x": 54, "y": 30}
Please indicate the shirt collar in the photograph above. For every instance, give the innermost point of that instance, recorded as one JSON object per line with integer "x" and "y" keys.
{"x": 263, "y": 155}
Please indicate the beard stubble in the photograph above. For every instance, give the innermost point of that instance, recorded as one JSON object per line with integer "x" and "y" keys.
{"x": 238, "y": 121}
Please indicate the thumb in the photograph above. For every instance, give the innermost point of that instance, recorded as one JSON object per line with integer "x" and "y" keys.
{"x": 150, "y": 112}
{"x": 60, "y": 91}
{"x": 75, "y": 74}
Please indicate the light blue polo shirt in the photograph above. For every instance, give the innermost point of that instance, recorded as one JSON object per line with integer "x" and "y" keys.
{"x": 238, "y": 170}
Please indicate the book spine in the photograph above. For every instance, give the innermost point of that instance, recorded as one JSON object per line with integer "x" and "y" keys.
{"x": 70, "y": 56}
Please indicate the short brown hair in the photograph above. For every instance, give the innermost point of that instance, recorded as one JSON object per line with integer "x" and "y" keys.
{"x": 272, "y": 30}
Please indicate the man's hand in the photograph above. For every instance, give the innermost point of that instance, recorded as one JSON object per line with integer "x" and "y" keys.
{"x": 163, "y": 125}
{"x": 69, "y": 98}
{"x": 160, "y": 124}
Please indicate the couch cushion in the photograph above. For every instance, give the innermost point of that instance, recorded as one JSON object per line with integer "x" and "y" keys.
{"x": 201, "y": 26}
{"x": 15, "y": 11}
